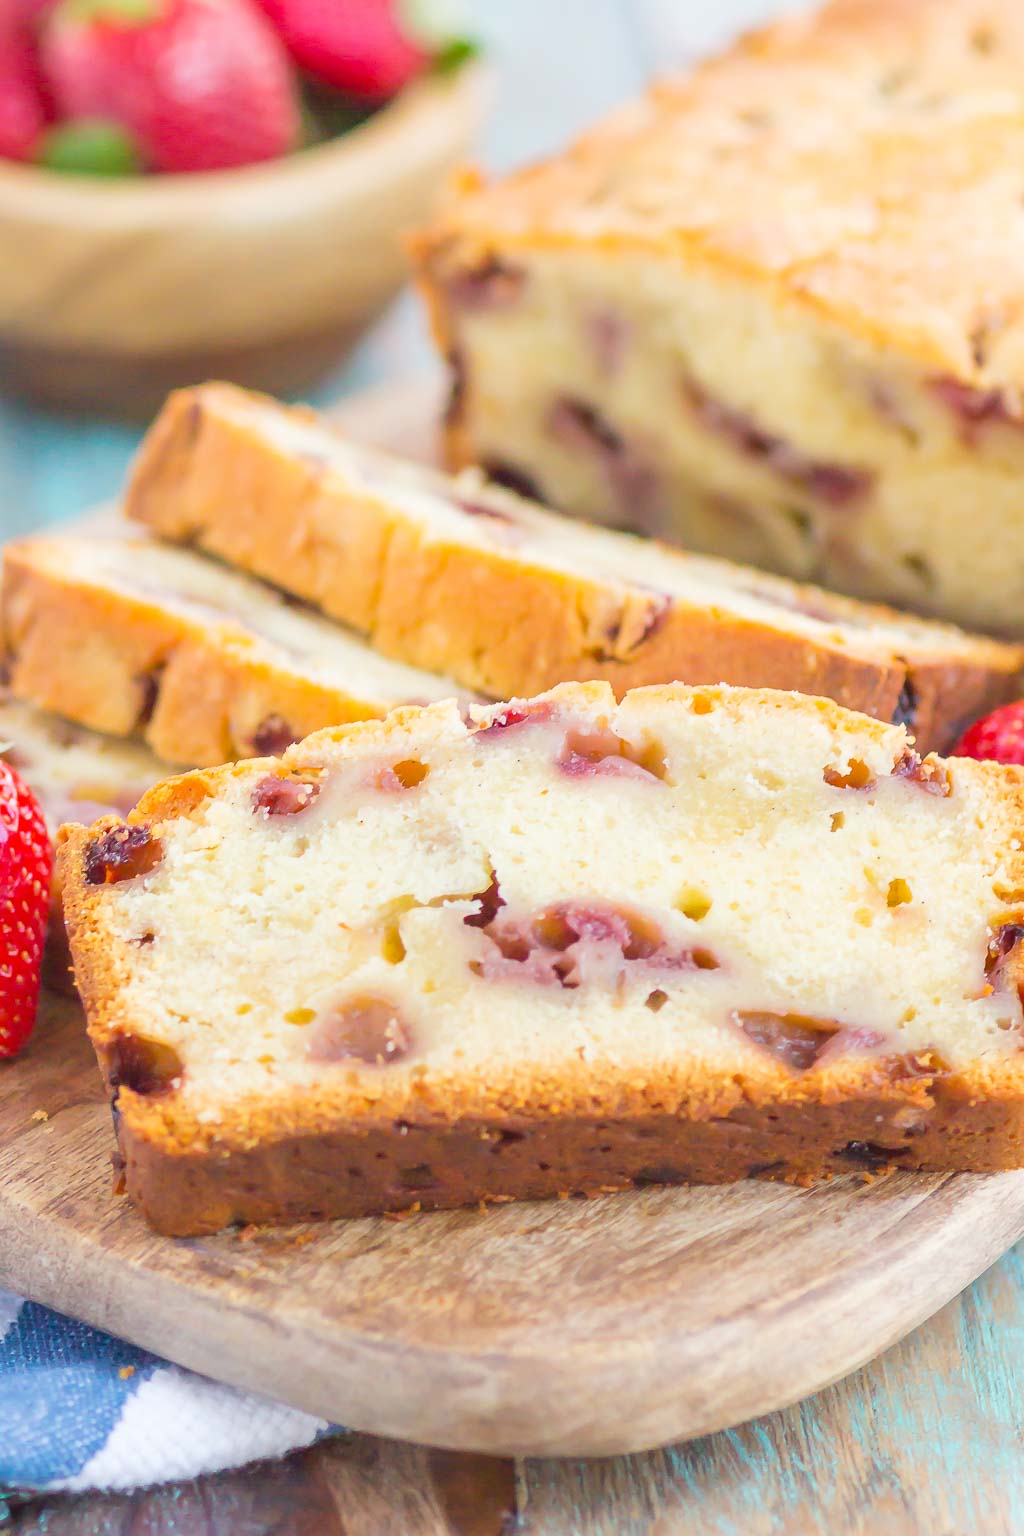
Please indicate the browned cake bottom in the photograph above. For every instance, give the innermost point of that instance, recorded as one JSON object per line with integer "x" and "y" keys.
{"x": 401, "y": 1166}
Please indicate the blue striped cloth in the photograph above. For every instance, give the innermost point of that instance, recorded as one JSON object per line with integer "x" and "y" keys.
{"x": 80, "y": 1410}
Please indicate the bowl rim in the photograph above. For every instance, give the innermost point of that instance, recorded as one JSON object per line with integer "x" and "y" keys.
{"x": 433, "y": 99}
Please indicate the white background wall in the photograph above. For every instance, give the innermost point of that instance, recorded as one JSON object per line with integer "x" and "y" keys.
{"x": 562, "y": 63}
{"x": 690, "y": 27}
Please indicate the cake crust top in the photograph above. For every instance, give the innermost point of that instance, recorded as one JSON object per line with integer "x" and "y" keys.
{"x": 865, "y": 161}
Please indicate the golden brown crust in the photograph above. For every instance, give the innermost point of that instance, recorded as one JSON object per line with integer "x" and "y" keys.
{"x": 502, "y": 624}
{"x": 432, "y": 1166}
{"x": 203, "y": 476}
{"x": 857, "y": 163}
{"x": 291, "y": 1155}
{"x": 128, "y": 664}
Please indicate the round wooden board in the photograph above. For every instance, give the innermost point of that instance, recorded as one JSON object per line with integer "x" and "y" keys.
{"x": 579, "y": 1327}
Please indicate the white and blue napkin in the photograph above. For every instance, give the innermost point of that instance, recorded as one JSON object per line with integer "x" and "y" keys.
{"x": 80, "y": 1410}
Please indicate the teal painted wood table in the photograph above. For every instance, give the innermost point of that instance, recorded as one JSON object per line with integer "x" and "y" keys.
{"x": 928, "y": 1440}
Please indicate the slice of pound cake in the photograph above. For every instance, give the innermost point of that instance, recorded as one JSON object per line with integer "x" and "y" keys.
{"x": 560, "y": 945}
{"x": 462, "y": 577}
{"x": 128, "y": 636}
{"x": 774, "y": 311}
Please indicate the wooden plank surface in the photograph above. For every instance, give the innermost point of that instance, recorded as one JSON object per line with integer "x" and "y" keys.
{"x": 352, "y": 1486}
{"x": 926, "y": 1441}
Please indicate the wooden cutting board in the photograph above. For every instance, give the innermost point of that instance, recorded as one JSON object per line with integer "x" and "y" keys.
{"x": 585, "y": 1327}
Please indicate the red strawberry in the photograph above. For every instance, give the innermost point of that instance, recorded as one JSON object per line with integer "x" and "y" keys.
{"x": 22, "y": 109}
{"x": 358, "y": 46}
{"x": 33, "y": 11}
{"x": 26, "y": 867}
{"x": 200, "y": 85}
{"x": 998, "y": 737}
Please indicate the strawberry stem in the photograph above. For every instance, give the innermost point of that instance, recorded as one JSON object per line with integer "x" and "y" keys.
{"x": 90, "y": 147}
{"x": 453, "y": 54}
{"x": 124, "y": 12}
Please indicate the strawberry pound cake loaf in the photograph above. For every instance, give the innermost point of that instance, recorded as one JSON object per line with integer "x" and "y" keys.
{"x": 773, "y": 310}
{"x": 549, "y": 946}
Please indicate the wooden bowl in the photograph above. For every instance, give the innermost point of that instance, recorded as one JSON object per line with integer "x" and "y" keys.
{"x": 111, "y": 293}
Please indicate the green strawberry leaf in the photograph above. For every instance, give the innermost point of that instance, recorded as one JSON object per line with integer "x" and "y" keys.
{"x": 127, "y": 12}
{"x": 436, "y": 26}
{"x": 327, "y": 114}
{"x": 453, "y": 53}
{"x": 90, "y": 147}
{"x": 311, "y": 129}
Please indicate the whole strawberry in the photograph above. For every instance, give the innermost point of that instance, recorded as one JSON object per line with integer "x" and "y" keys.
{"x": 22, "y": 108}
{"x": 361, "y": 47}
{"x": 198, "y": 85}
{"x": 998, "y": 737}
{"x": 26, "y": 867}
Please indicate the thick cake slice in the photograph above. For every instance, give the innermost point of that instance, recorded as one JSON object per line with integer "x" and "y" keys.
{"x": 462, "y": 577}
{"x": 773, "y": 311}
{"x": 128, "y": 636}
{"x": 565, "y": 945}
